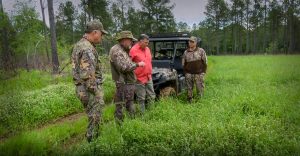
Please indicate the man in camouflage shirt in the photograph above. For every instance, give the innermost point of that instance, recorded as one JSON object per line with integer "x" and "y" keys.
{"x": 87, "y": 75}
{"x": 122, "y": 69}
{"x": 194, "y": 63}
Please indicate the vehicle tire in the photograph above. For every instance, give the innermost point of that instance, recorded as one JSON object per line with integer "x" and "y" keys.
{"x": 167, "y": 91}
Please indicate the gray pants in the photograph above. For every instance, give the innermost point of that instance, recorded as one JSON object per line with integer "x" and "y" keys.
{"x": 145, "y": 93}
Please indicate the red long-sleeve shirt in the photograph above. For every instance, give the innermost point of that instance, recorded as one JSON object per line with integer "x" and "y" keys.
{"x": 137, "y": 54}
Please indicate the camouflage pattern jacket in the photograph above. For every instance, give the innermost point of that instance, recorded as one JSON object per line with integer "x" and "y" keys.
{"x": 194, "y": 62}
{"x": 122, "y": 67}
{"x": 86, "y": 66}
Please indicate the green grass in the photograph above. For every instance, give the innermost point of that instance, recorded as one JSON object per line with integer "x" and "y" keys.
{"x": 35, "y": 98}
{"x": 29, "y": 109}
{"x": 251, "y": 106}
{"x": 44, "y": 141}
{"x": 53, "y": 139}
{"x": 25, "y": 81}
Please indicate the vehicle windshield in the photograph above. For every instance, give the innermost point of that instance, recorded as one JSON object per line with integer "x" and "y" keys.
{"x": 162, "y": 50}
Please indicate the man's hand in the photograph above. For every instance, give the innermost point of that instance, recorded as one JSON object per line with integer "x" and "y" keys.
{"x": 141, "y": 64}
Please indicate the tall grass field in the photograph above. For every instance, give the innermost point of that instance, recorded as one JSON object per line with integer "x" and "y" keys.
{"x": 251, "y": 106}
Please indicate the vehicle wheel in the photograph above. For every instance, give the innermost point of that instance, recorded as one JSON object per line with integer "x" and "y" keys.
{"x": 167, "y": 91}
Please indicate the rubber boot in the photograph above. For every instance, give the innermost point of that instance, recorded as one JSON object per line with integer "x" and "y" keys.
{"x": 142, "y": 103}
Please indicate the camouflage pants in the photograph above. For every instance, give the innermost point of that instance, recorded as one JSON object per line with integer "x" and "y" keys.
{"x": 124, "y": 98}
{"x": 144, "y": 92}
{"x": 192, "y": 79}
{"x": 93, "y": 104}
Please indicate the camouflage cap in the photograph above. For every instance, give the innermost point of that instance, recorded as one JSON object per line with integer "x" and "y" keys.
{"x": 193, "y": 38}
{"x": 95, "y": 25}
{"x": 125, "y": 34}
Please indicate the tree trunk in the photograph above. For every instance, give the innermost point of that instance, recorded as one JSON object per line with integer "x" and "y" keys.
{"x": 291, "y": 27}
{"x": 285, "y": 27}
{"x": 73, "y": 34}
{"x": 235, "y": 36}
{"x": 55, "y": 62}
{"x": 45, "y": 30}
{"x": 247, "y": 31}
{"x": 265, "y": 28}
{"x": 218, "y": 45}
{"x": 254, "y": 40}
{"x": 224, "y": 41}
{"x": 285, "y": 35}
{"x": 240, "y": 34}
{"x": 232, "y": 34}
{"x": 218, "y": 37}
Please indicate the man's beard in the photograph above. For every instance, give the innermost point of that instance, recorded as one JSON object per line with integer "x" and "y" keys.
{"x": 126, "y": 48}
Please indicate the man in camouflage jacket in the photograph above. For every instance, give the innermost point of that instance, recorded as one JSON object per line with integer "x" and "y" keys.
{"x": 87, "y": 75}
{"x": 122, "y": 69}
{"x": 194, "y": 63}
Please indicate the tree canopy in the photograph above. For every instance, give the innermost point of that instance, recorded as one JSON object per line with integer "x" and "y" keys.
{"x": 230, "y": 27}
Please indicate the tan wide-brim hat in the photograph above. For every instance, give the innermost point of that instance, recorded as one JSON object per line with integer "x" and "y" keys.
{"x": 125, "y": 34}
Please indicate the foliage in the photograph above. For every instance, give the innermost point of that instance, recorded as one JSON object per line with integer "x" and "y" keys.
{"x": 120, "y": 13}
{"x": 249, "y": 27}
{"x": 44, "y": 141}
{"x": 273, "y": 47}
{"x": 157, "y": 16}
{"x": 230, "y": 27}
{"x": 183, "y": 27}
{"x": 250, "y": 107}
{"x": 65, "y": 22}
{"x": 28, "y": 28}
{"x": 35, "y": 98}
{"x": 7, "y": 36}
{"x": 98, "y": 9}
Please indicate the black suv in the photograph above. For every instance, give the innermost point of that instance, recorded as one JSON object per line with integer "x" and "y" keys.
{"x": 167, "y": 50}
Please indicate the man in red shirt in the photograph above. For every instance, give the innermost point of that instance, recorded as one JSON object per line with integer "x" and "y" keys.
{"x": 144, "y": 85}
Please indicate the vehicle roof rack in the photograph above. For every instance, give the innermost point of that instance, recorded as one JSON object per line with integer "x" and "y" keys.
{"x": 170, "y": 34}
